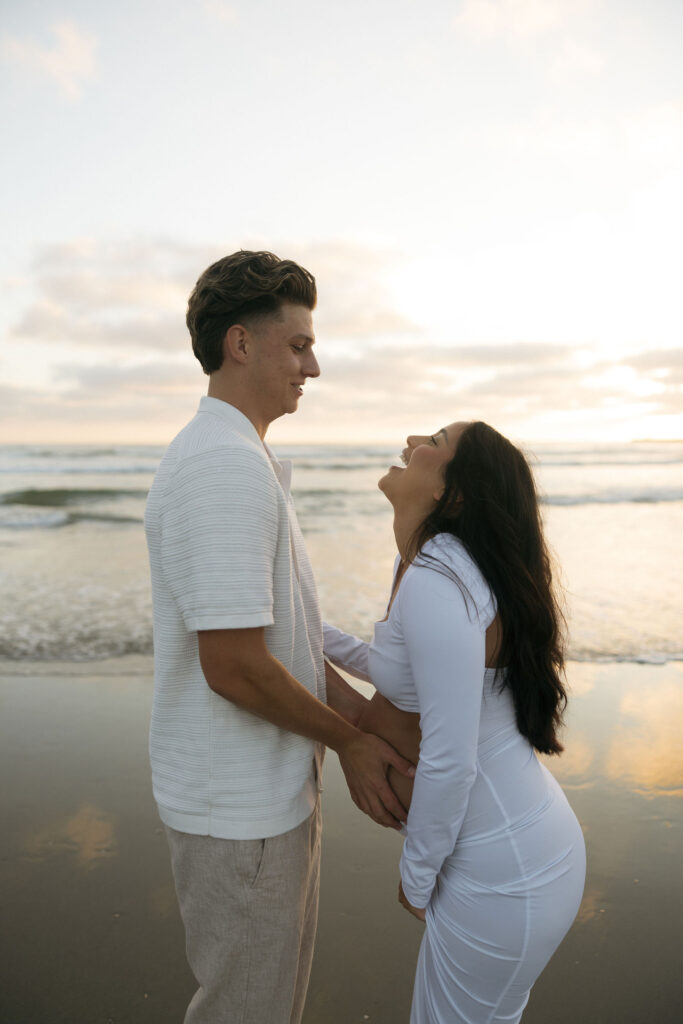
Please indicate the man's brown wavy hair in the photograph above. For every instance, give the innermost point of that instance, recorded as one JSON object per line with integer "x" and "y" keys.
{"x": 242, "y": 289}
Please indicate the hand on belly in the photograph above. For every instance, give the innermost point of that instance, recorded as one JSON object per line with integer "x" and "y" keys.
{"x": 402, "y": 730}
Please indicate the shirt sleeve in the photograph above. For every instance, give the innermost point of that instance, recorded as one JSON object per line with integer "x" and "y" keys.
{"x": 346, "y": 651}
{"x": 446, "y": 646}
{"x": 219, "y": 534}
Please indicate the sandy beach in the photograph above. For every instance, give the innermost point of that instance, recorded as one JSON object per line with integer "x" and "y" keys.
{"x": 92, "y": 933}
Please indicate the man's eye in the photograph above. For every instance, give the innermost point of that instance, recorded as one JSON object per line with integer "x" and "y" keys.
{"x": 298, "y": 348}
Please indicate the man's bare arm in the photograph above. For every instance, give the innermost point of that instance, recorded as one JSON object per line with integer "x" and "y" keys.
{"x": 238, "y": 666}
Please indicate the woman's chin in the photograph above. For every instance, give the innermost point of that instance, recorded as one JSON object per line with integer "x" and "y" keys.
{"x": 384, "y": 482}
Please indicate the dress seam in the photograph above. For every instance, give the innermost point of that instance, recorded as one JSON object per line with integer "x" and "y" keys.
{"x": 527, "y": 902}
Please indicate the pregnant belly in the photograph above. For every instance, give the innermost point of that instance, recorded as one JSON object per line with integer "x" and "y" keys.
{"x": 399, "y": 728}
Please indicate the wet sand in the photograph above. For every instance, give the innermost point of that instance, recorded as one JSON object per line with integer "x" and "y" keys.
{"x": 91, "y": 931}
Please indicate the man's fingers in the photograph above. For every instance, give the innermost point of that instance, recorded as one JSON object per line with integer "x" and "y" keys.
{"x": 392, "y": 804}
{"x": 375, "y": 809}
{"x": 384, "y": 817}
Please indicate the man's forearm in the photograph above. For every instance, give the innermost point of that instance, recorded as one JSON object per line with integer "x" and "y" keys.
{"x": 238, "y": 666}
{"x": 263, "y": 686}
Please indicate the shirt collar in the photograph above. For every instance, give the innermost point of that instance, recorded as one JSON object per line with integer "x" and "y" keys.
{"x": 282, "y": 469}
{"x": 242, "y": 425}
{"x": 237, "y": 420}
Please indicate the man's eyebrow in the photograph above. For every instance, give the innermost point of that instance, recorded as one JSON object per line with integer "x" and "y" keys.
{"x": 304, "y": 337}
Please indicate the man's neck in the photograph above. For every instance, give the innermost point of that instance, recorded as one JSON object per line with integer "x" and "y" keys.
{"x": 244, "y": 403}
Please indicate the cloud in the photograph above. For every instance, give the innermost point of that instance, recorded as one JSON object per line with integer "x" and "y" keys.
{"x": 663, "y": 368}
{"x": 132, "y": 295}
{"x": 146, "y": 381}
{"x": 70, "y": 61}
{"x": 575, "y": 58}
{"x": 561, "y": 27}
{"x": 115, "y": 295}
{"x": 655, "y": 133}
{"x": 353, "y": 298}
{"x": 121, "y": 305}
{"x": 221, "y": 11}
{"x": 505, "y": 384}
{"x": 517, "y": 19}
{"x": 96, "y": 403}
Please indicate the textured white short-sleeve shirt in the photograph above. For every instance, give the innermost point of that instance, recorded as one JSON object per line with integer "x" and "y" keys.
{"x": 226, "y": 552}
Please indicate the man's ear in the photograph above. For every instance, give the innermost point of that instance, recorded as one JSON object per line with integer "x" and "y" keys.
{"x": 236, "y": 343}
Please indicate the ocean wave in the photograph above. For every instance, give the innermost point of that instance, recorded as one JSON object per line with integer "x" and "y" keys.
{"x": 61, "y": 497}
{"x": 321, "y": 466}
{"x": 63, "y": 469}
{"x": 640, "y": 658}
{"x": 96, "y": 647}
{"x": 56, "y": 520}
{"x": 85, "y": 453}
{"x": 644, "y": 497}
{"x": 90, "y": 648}
{"x": 626, "y": 463}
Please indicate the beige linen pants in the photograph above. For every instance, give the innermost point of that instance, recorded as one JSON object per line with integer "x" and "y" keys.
{"x": 250, "y": 910}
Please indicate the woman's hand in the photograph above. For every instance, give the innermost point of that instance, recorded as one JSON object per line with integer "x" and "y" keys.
{"x": 419, "y": 912}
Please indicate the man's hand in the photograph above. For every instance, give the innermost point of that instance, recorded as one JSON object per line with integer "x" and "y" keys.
{"x": 365, "y": 760}
{"x": 419, "y": 912}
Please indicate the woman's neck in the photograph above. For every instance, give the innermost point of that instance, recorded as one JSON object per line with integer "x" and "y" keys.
{"x": 405, "y": 528}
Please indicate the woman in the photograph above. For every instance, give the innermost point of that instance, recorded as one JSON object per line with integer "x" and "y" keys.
{"x": 468, "y": 667}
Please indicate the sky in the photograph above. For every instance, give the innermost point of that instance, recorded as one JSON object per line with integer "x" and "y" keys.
{"x": 488, "y": 193}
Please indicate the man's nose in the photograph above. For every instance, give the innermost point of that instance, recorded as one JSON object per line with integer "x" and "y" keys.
{"x": 311, "y": 369}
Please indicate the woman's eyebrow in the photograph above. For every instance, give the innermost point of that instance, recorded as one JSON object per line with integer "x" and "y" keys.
{"x": 443, "y": 431}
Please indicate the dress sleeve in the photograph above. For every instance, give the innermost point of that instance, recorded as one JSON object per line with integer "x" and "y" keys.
{"x": 446, "y": 646}
{"x": 346, "y": 651}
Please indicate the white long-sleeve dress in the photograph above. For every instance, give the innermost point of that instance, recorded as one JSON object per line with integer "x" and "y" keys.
{"x": 492, "y": 848}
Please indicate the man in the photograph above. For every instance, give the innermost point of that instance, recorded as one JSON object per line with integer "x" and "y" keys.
{"x": 239, "y": 718}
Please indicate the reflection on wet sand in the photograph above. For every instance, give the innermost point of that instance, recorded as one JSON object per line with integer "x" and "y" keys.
{"x": 645, "y": 751}
{"x": 573, "y": 765}
{"x": 622, "y": 731}
{"x": 89, "y": 834}
{"x": 85, "y": 874}
{"x": 162, "y": 900}
{"x": 592, "y": 905}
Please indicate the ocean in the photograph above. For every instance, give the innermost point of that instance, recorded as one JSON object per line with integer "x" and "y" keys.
{"x": 73, "y": 561}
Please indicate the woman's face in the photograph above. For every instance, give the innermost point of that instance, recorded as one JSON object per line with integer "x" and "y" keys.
{"x": 420, "y": 484}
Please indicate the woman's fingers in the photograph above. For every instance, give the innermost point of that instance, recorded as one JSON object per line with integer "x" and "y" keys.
{"x": 419, "y": 912}
{"x": 400, "y": 763}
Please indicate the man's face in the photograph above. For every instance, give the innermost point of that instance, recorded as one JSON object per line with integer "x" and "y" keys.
{"x": 283, "y": 360}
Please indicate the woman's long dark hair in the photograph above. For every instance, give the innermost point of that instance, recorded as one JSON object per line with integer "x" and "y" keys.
{"x": 490, "y": 504}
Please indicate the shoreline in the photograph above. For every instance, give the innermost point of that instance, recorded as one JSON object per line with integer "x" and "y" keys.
{"x": 85, "y": 879}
